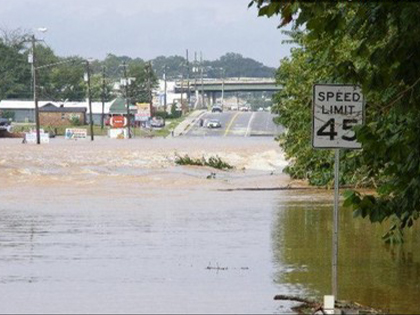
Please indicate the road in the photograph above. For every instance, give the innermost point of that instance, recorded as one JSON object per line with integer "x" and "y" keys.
{"x": 239, "y": 124}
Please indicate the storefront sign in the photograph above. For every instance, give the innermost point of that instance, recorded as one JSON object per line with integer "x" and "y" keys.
{"x": 118, "y": 133}
{"x": 30, "y": 137}
{"x": 75, "y": 133}
{"x": 118, "y": 121}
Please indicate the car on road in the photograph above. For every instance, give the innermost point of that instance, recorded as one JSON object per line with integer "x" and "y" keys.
{"x": 157, "y": 122}
{"x": 244, "y": 108}
{"x": 214, "y": 123}
{"x": 5, "y": 125}
{"x": 216, "y": 109}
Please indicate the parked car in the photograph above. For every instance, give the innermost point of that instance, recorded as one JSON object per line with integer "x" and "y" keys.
{"x": 214, "y": 123}
{"x": 244, "y": 109}
{"x": 216, "y": 109}
{"x": 5, "y": 125}
{"x": 157, "y": 122}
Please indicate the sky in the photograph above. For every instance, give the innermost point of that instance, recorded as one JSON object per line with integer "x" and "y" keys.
{"x": 147, "y": 29}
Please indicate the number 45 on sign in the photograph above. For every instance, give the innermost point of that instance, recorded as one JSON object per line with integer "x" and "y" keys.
{"x": 336, "y": 110}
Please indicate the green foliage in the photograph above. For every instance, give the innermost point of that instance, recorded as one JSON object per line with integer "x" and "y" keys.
{"x": 61, "y": 79}
{"x": 75, "y": 121}
{"x": 233, "y": 65}
{"x": 371, "y": 44}
{"x": 7, "y": 114}
{"x": 174, "y": 112}
{"x": 15, "y": 71}
{"x": 297, "y": 75}
{"x": 214, "y": 162}
{"x": 161, "y": 114}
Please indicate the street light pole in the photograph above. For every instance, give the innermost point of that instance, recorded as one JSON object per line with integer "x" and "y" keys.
{"x": 38, "y": 136}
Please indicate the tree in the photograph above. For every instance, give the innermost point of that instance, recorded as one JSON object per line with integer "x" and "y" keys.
{"x": 372, "y": 44}
{"x": 235, "y": 65}
{"x": 63, "y": 81}
{"x": 144, "y": 81}
{"x": 175, "y": 65}
{"x": 15, "y": 81}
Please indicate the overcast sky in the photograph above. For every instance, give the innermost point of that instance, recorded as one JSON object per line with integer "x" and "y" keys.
{"x": 147, "y": 29}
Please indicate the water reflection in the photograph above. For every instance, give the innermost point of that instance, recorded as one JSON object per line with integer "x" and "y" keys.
{"x": 137, "y": 251}
{"x": 370, "y": 272}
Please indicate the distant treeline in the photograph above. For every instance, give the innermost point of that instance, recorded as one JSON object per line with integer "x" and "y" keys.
{"x": 229, "y": 65}
{"x": 64, "y": 80}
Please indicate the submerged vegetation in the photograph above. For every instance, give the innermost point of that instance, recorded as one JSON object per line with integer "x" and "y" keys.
{"x": 214, "y": 162}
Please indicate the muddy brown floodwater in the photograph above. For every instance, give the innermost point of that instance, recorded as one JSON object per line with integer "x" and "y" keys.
{"x": 114, "y": 226}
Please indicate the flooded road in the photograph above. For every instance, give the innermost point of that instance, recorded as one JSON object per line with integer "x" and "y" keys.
{"x": 117, "y": 227}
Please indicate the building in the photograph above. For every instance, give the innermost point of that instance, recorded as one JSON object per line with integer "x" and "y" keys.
{"x": 119, "y": 107}
{"x": 23, "y": 111}
{"x": 171, "y": 96}
{"x": 51, "y": 115}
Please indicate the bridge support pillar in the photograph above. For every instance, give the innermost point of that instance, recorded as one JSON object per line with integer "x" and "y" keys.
{"x": 210, "y": 99}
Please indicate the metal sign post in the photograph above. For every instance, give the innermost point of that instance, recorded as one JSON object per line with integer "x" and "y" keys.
{"x": 336, "y": 110}
{"x": 335, "y": 223}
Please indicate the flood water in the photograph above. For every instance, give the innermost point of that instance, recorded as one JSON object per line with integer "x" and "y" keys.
{"x": 117, "y": 227}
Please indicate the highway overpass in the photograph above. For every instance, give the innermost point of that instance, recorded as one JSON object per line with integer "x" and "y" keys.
{"x": 227, "y": 85}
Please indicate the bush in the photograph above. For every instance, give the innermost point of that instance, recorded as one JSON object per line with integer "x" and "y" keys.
{"x": 162, "y": 114}
{"x": 8, "y": 114}
{"x": 75, "y": 121}
{"x": 214, "y": 162}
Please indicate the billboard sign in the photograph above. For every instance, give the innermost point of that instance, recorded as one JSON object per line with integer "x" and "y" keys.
{"x": 143, "y": 112}
{"x": 30, "y": 137}
{"x": 75, "y": 133}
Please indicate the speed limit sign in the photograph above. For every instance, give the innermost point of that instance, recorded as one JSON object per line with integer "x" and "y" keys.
{"x": 336, "y": 110}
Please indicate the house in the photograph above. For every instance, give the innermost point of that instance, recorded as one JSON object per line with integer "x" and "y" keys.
{"x": 51, "y": 115}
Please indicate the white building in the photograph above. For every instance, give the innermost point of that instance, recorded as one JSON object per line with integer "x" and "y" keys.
{"x": 171, "y": 96}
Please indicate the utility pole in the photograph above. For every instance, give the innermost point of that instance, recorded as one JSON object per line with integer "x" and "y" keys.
{"x": 165, "y": 95}
{"x": 182, "y": 89}
{"x": 149, "y": 85}
{"x": 89, "y": 99}
{"x": 188, "y": 81}
{"x": 38, "y": 136}
{"x": 103, "y": 97}
{"x": 202, "y": 83}
{"x": 195, "y": 70}
{"x": 127, "y": 101}
{"x": 223, "y": 87}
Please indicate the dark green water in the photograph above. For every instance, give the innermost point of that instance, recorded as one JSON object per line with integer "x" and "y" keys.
{"x": 369, "y": 271}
